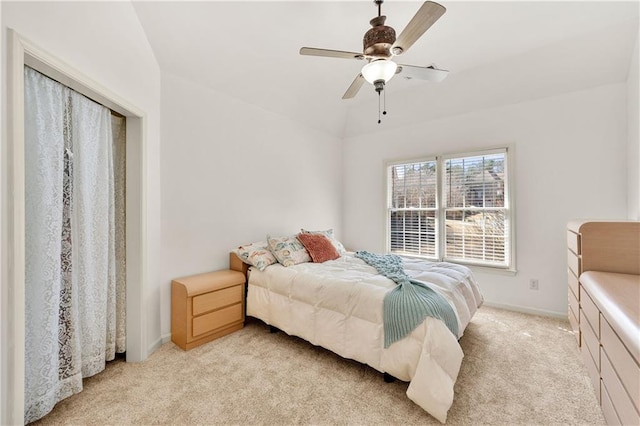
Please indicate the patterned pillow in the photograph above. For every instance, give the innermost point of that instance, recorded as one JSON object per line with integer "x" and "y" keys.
{"x": 329, "y": 234}
{"x": 256, "y": 254}
{"x": 288, "y": 250}
{"x": 319, "y": 247}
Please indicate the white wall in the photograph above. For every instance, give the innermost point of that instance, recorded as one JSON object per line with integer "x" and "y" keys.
{"x": 4, "y": 405}
{"x": 569, "y": 162}
{"x": 633, "y": 154}
{"x": 233, "y": 172}
{"x": 104, "y": 41}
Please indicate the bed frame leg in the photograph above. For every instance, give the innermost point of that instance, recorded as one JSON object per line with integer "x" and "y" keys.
{"x": 388, "y": 378}
{"x": 273, "y": 329}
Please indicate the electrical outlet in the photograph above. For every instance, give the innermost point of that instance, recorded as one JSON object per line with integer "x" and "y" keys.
{"x": 533, "y": 284}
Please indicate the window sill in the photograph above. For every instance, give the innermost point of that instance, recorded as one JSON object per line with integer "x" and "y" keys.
{"x": 489, "y": 270}
{"x": 474, "y": 268}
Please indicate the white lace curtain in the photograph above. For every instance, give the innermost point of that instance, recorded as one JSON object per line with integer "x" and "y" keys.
{"x": 74, "y": 282}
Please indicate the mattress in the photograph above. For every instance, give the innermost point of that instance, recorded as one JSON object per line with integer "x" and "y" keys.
{"x": 338, "y": 305}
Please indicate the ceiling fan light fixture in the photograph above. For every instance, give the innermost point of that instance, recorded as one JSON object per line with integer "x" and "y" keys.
{"x": 381, "y": 69}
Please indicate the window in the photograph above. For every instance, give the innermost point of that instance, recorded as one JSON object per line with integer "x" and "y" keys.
{"x": 453, "y": 208}
{"x": 412, "y": 210}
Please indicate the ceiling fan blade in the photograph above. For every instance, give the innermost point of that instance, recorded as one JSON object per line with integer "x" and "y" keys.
{"x": 423, "y": 73}
{"x": 312, "y": 51}
{"x": 424, "y": 18}
{"x": 354, "y": 88}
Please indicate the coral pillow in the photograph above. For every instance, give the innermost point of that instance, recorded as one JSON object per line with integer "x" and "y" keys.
{"x": 319, "y": 247}
{"x": 329, "y": 234}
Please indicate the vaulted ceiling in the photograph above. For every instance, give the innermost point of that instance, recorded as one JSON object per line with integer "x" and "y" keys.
{"x": 497, "y": 53}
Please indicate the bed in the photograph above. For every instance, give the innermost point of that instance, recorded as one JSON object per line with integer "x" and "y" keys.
{"x": 338, "y": 305}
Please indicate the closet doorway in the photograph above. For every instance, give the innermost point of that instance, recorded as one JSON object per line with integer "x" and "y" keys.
{"x": 21, "y": 53}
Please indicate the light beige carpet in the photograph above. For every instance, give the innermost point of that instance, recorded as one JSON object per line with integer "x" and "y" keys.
{"x": 518, "y": 369}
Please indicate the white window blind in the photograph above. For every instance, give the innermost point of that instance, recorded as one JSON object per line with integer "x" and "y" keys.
{"x": 412, "y": 208}
{"x": 475, "y": 209}
{"x": 453, "y": 208}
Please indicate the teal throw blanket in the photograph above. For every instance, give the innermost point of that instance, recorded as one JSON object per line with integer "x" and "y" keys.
{"x": 410, "y": 302}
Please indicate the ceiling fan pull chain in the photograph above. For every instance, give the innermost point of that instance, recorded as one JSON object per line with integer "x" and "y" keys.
{"x": 384, "y": 107}
{"x": 384, "y": 110}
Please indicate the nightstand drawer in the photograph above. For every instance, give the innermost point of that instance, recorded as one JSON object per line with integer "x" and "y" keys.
{"x": 217, "y": 319}
{"x": 217, "y": 299}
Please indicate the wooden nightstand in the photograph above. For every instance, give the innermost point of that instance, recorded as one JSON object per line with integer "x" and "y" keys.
{"x": 206, "y": 306}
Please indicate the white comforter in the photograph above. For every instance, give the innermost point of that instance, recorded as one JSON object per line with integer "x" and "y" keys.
{"x": 338, "y": 305}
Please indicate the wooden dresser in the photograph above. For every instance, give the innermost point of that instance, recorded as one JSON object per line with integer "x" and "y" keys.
{"x": 574, "y": 257}
{"x": 604, "y": 311}
{"x": 206, "y": 306}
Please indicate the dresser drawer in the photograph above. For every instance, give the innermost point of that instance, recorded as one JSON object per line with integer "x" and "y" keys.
{"x": 591, "y": 311}
{"x": 592, "y": 369}
{"x": 621, "y": 401}
{"x": 622, "y": 361}
{"x": 590, "y": 341}
{"x": 217, "y": 319}
{"x": 575, "y": 327}
{"x": 574, "y": 263}
{"x": 217, "y": 299}
{"x": 609, "y": 412}
{"x": 574, "y": 305}
{"x": 574, "y": 285}
{"x": 573, "y": 242}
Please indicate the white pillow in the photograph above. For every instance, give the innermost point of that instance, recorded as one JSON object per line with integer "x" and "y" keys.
{"x": 256, "y": 254}
{"x": 288, "y": 250}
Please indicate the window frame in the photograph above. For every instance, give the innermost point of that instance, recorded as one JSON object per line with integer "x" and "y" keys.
{"x": 440, "y": 210}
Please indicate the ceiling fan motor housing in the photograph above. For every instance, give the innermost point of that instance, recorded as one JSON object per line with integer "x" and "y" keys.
{"x": 379, "y": 39}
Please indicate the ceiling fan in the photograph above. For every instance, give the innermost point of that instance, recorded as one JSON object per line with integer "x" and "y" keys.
{"x": 380, "y": 45}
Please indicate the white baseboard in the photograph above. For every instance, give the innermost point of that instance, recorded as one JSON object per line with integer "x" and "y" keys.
{"x": 159, "y": 342}
{"x": 526, "y": 310}
{"x": 154, "y": 346}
